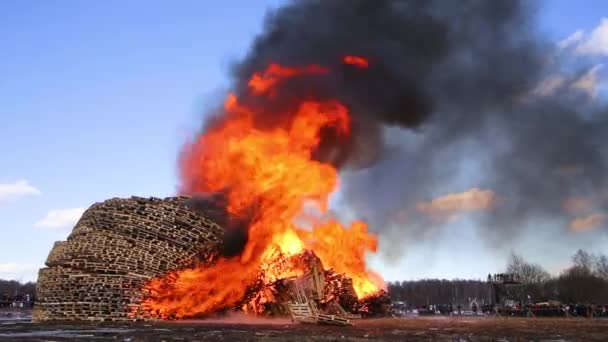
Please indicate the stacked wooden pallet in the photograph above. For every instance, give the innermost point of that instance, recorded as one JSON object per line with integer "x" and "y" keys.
{"x": 303, "y": 310}
{"x": 114, "y": 249}
{"x": 333, "y": 320}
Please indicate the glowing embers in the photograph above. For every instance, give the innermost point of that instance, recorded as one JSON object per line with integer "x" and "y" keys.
{"x": 356, "y": 61}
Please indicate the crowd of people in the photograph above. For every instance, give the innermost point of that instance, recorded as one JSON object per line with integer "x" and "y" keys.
{"x": 19, "y": 301}
{"x": 537, "y": 309}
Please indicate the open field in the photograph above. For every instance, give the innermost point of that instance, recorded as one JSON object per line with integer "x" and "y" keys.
{"x": 247, "y": 329}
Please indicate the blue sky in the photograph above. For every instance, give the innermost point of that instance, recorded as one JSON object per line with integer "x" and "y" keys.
{"x": 97, "y": 96}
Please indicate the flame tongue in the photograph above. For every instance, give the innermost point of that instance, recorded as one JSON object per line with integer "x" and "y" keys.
{"x": 271, "y": 170}
{"x": 357, "y": 61}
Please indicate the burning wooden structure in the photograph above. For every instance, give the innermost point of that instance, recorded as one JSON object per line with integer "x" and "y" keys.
{"x": 316, "y": 296}
{"x": 114, "y": 249}
{"x": 120, "y": 245}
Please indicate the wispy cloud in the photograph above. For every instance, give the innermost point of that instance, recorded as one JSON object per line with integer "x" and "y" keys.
{"x": 578, "y": 204}
{"x": 61, "y": 218}
{"x": 595, "y": 43}
{"x": 454, "y": 203}
{"x": 588, "y": 82}
{"x": 589, "y": 222}
{"x": 549, "y": 85}
{"x": 583, "y": 43}
{"x": 20, "y": 188}
{"x": 571, "y": 40}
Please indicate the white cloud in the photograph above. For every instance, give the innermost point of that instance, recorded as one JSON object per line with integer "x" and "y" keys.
{"x": 20, "y": 188}
{"x": 571, "y": 39}
{"x": 595, "y": 43}
{"x": 589, "y": 222}
{"x": 470, "y": 200}
{"x": 549, "y": 85}
{"x": 588, "y": 82}
{"x": 13, "y": 271}
{"x": 61, "y": 218}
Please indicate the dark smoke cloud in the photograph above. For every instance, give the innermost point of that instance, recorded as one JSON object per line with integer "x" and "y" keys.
{"x": 454, "y": 81}
{"x": 213, "y": 206}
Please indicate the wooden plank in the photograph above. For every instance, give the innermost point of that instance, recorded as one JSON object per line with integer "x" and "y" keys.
{"x": 333, "y": 320}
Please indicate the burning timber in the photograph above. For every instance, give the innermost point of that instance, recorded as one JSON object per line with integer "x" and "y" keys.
{"x": 119, "y": 245}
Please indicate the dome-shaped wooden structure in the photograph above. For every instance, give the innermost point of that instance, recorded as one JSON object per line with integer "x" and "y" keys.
{"x": 114, "y": 249}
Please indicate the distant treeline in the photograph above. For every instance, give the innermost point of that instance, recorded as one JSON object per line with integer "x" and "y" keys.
{"x": 586, "y": 281}
{"x": 11, "y": 288}
{"x": 436, "y": 291}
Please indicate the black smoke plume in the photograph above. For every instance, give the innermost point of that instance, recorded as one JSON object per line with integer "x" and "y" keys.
{"x": 449, "y": 82}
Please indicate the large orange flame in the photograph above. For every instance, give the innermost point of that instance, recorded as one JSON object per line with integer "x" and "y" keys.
{"x": 273, "y": 171}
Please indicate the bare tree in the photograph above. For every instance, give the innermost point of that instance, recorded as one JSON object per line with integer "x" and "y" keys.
{"x": 533, "y": 277}
{"x": 529, "y": 273}
{"x": 583, "y": 261}
{"x": 13, "y": 287}
{"x": 601, "y": 266}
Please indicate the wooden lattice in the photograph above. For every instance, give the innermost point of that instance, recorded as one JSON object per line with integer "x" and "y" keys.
{"x": 115, "y": 248}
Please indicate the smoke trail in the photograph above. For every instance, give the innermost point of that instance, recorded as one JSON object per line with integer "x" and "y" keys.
{"x": 448, "y": 82}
